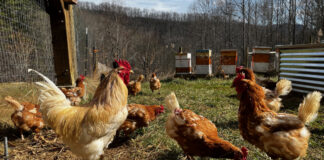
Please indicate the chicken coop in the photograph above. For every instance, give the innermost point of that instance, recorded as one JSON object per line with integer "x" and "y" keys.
{"x": 183, "y": 63}
{"x": 203, "y": 62}
{"x": 263, "y": 60}
{"x": 228, "y": 60}
{"x": 303, "y": 65}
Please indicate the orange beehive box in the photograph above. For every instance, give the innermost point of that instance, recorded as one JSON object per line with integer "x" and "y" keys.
{"x": 261, "y": 59}
{"x": 203, "y": 62}
{"x": 228, "y": 60}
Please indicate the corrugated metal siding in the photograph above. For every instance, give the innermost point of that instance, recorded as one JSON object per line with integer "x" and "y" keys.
{"x": 304, "y": 66}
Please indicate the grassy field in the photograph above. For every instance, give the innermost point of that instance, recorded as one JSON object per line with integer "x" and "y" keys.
{"x": 212, "y": 98}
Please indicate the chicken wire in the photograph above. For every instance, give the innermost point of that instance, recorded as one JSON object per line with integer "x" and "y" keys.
{"x": 83, "y": 44}
{"x": 25, "y": 40}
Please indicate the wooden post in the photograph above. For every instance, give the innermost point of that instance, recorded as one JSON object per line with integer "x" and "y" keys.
{"x": 246, "y": 57}
{"x": 319, "y": 35}
{"x": 86, "y": 56}
{"x": 94, "y": 51}
{"x": 63, "y": 38}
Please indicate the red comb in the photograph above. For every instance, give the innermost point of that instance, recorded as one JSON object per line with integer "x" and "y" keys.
{"x": 162, "y": 107}
{"x": 124, "y": 63}
{"x": 245, "y": 152}
{"x": 238, "y": 69}
{"x": 82, "y": 76}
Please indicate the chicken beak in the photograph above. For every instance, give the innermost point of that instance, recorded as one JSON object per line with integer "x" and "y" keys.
{"x": 131, "y": 71}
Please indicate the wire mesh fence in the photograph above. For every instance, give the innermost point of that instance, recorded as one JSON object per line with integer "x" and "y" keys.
{"x": 83, "y": 44}
{"x": 25, "y": 40}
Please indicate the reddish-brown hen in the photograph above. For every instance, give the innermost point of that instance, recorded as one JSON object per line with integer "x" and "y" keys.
{"x": 140, "y": 116}
{"x": 272, "y": 99}
{"x": 26, "y": 116}
{"x": 197, "y": 135}
{"x": 280, "y": 135}
{"x": 75, "y": 94}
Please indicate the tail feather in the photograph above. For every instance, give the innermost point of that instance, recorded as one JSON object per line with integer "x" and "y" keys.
{"x": 14, "y": 103}
{"x": 171, "y": 102}
{"x": 140, "y": 78}
{"x": 50, "y": 93}
{"x": 283, "y": 87}
{"x": 308, "y": 109}
{"x": 50, "y": 84}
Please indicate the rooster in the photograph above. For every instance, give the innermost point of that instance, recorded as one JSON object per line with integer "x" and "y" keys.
{"x": 135, "y": 87}
{"x": 272, "y": 99}
{"x": 280, "y": 135}
{"x": 154, "y": 83}
{"x": 26, "y": 116}
{"x": 89, "y": 128}
{"x": 140, "y": 116}
{"x": 197, "y": 135}
{"x": 75, "y": 94}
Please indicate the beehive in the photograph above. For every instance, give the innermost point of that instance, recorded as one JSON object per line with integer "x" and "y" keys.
{"x": 203, "y": 62}
{"x": 262, "y": 59}
{"x": 183, "y": 63}
{"x": 229, "y": 60}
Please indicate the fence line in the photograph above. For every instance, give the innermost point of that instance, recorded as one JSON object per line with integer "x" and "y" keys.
{"x": 25, "y": 40}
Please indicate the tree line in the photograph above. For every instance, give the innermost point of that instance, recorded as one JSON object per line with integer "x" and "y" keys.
{"x": 149, "y": 39}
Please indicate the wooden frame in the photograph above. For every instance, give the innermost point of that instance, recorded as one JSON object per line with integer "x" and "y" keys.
{"x": 63, "y": 38}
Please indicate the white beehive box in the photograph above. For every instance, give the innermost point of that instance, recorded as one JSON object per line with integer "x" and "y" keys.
{"x": 183, "y": 63}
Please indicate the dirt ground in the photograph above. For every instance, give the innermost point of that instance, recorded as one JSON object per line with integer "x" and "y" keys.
{"x": 46, "y": 145}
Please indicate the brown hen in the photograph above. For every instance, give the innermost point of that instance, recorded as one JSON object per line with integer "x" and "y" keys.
{"x": 135, "y": 87}
{"x": 26, "y": 116}
{"x": 272, "y": 99}
{"x": 280, "y": 135}
{"x": 75, "y": 94}
{"x": 197, "y": 135}
{"x": 140, "y": 116}
{"x": 154, "y": 83}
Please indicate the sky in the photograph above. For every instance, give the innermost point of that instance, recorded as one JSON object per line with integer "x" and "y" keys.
{"x": 180, "y": 6}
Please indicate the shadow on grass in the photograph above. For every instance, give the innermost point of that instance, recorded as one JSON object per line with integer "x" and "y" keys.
{"x": 211, "y": 105}
{"x": 11, "y": 132}
{"x": 121, "y": 139}
{"x": 234, "y": 96}
{"x": 292, "y": 101}
{"x": 232, "y": 124}
{"x": 167, "y": 80}
{"x": 173, "y": 154}
{"x": 317, "y": 131}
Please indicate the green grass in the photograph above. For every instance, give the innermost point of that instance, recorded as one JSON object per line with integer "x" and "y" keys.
{"x": 213, "y": 99}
